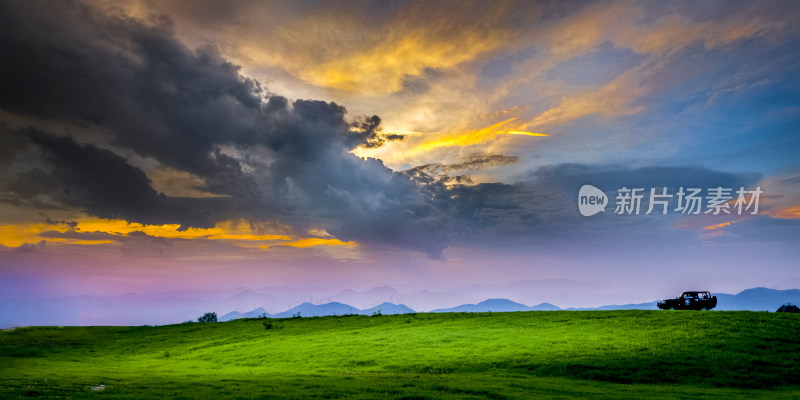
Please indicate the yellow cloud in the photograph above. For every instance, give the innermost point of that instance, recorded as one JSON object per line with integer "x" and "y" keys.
{"x": 226, "y": 230}
{"x": 525, "y": 133}
{"x": 17, "y": 235}
{"x": 507, "y": 127}
{"x": 383, "y": 68}
{"x": 345, "y": 48}
{"x": 243, "y": 233}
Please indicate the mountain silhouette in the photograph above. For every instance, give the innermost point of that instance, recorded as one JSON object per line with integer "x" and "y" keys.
{"x": 757, "y": 299}
{"x": 320, "y": 310}
{"x": 388, "y": 309}
{"x": 236, "y": 315}
{"x": 498, "y": 305}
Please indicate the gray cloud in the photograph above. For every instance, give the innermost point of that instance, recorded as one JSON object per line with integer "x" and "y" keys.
{"x": 369, "y": 133}
{"x": 192, "y": 111}
{"x": 445, "y": 173}
{"x": 543, "y": 206}
{"x": 100, "y": 182}
{"x": 473, "y": 162}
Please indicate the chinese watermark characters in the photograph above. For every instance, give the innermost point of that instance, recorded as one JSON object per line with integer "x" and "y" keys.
{"x": 660, "y": 200}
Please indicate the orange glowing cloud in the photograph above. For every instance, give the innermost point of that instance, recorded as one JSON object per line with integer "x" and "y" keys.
{"x": 311, "y": 242}
{"x": 241, "y": 233}
{"x": 19, "y": 234}
{"x": 383, "y": 68}
{"x": 790, "y": 212}
{"x": 226, "y": 230}
{"x": 717, "y": 226}
{"x": 507, "y": 127}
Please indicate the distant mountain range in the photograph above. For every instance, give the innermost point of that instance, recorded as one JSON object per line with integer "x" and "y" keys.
{"x": 175, "y": 307}
{"x": 420, "y": 300}
{"x": 498, "y": 305}
{"x": 321, "y": 310}
{"x": 756, "y": 299}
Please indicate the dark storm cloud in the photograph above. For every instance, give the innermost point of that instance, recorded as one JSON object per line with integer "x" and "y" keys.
{"x": 267, "y": 158}
{"x": 10, "y": 144}
{"x": 99, "y": 181}
{"x": 136, "y": 80}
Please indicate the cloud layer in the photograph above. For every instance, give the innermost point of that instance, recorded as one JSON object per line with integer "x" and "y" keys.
{"x": 104, "y": 109}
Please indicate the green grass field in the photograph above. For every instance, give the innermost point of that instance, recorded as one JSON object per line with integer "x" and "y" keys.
{"x": 521, "y": 355}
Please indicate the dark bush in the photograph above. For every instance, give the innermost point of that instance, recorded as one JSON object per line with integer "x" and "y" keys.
{"x": 271, "y": 324}
{"x": 208, "y": 317}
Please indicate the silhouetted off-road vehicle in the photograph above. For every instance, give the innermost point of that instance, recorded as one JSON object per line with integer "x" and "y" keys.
{"x": 689, "y": 301}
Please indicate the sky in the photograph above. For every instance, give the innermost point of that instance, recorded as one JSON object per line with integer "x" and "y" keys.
{"x": 151, "y": 147}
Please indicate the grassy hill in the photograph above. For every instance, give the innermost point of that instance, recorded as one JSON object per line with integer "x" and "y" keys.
{"x": 519, "y": 355}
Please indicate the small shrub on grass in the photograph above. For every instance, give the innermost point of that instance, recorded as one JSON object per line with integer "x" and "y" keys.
{"x": 269, "y": 324}
{"x": 208, "y": 317}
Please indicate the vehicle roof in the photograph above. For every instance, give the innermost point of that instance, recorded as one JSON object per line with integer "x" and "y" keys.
{"x": 695, "y": 291}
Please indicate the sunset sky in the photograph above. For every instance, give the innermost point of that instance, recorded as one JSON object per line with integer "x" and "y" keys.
{"x": 173, "y": 145}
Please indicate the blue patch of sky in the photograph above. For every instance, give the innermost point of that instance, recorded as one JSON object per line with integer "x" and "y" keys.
{"x": 493, "y": 71}
{"x": 739, "y": 112}
{"x": 597, "y": 67}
